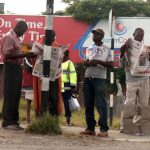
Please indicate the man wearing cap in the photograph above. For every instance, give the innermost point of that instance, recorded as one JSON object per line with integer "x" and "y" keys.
{"x": 98, "y": 59}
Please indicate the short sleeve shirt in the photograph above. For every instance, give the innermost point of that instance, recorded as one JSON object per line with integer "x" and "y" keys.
{"x": 100, "y": 53}
{"x": 11, "y": 44}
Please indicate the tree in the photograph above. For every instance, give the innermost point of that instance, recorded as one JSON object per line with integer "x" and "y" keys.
{"x": 60, "y": 13}
{"x": 148, "y": 1}
{"x": 91, "y": 11}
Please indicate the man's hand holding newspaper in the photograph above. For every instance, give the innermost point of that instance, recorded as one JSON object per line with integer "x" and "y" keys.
{"x": 55, "y": 60}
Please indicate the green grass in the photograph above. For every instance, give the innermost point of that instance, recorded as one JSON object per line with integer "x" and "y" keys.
{"x": 45, "y": 124}
{"x": 77, "y": 119}
{"x": 22, "y": 110}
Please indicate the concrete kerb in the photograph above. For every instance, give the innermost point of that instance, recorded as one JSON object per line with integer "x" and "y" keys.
{"x": 112, "y": 135}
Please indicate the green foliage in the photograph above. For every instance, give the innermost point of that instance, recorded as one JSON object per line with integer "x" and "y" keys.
{"x": 45, "y": 124}
{"x": 60, "y": 13}
{"x": 38, "y": 126}
{"x": 77, "y": 118}
{"x": 116, "y": 123}
{"x": 119, "y": 73}
{"x": 23, "y": 111}
{"x": 93, "y": 10}
{"x": 1, "y": 12}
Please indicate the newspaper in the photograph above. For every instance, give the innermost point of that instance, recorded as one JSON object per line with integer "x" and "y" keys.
{"x": 140, "y": 65}
{"x": 37, "y": 48}
{"x": 38, "y": 67}
{"x": 97, "y": 53}
{"x": 55, "y": 61}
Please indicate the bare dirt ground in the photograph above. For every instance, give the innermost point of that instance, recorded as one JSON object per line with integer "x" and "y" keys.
{"x": 71, "y": 140}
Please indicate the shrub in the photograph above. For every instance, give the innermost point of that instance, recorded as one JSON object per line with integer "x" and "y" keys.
{"x": 45, "y": 124}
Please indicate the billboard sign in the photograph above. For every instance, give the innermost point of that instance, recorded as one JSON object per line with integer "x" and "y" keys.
{"x": 77, "y": 34}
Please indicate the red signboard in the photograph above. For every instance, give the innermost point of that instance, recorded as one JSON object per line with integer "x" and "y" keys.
{"x": 68, "y": 30}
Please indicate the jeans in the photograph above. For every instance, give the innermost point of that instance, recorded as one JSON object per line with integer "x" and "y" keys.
{"x": 66, "y": 96}
{"x": 95, "y": 91}
{"x": 12, "y": 93}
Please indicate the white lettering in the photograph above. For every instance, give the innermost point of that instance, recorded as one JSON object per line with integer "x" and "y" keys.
{"x": 32, "y": 25}
{"x": 22, "y": 38}
{"x": 40, "y": 25}
{"x": 4, "y": 23}
{"x": 18, "y": 19}
{"x": 35, "y": 36}
{"x": 1, "y": 35}
{"x": 32, "y": 33}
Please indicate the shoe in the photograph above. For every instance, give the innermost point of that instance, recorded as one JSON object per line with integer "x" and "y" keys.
{"x": 13, "y": 127}
{"x": 103, "y": 134}
{"x": 68, "y": 122}
{"x": 139, "y": 134}
{"x": 88, "y": 132}
{"x": 19, "y": 127}
{"x": 121, "y": 131}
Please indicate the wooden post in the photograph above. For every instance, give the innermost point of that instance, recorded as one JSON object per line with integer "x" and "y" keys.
{"x": 47, "y": 52}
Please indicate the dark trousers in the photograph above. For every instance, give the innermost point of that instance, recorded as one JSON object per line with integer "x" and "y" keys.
{"x": 53, "y": 98}
{"x": 66, "y": 96}
{"x": 12, "y": 93}
{"x": 95, "y": 91}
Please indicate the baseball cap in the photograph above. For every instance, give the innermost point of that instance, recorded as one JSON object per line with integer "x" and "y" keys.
{"x": 100, "y": 31}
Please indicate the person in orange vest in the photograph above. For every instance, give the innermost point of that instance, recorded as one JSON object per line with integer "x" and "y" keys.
{"x": 55, "y": 99}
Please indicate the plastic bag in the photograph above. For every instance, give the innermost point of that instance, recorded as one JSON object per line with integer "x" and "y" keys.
{"x": 74, "y": 104}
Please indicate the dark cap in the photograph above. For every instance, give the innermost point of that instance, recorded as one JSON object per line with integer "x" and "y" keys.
{"x": 100, "y": 31}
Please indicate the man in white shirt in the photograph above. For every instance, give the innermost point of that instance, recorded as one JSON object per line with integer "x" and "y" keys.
{"x": 98, "y": 59}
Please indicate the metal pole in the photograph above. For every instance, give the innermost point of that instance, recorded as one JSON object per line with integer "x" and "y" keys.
{"x": 47, "y": 55}
{"x": 111, "y": 73}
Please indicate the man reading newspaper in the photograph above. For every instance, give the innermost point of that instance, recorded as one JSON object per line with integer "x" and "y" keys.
{"x": 137, "y": 84}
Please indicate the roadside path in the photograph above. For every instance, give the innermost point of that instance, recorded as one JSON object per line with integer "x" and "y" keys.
{"x": 71, "y": 140}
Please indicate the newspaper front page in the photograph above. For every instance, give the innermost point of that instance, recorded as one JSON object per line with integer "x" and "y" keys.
{"x": 140, "y": 65}
{"x": 97, "y": 53}
{"x": 55, "y": 61}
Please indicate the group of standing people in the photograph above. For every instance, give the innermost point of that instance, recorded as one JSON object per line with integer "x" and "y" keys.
{"x": 13, "y": 72}
{"x": 94, "y": 84}
{"x": 94, "y": 87}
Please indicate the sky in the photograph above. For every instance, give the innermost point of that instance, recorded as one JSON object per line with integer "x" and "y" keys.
{"x": 29, "y": 7}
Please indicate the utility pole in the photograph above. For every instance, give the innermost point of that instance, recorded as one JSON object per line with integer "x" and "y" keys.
{"x": 111, "y": 73}
{"x": 47, "y": 55}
